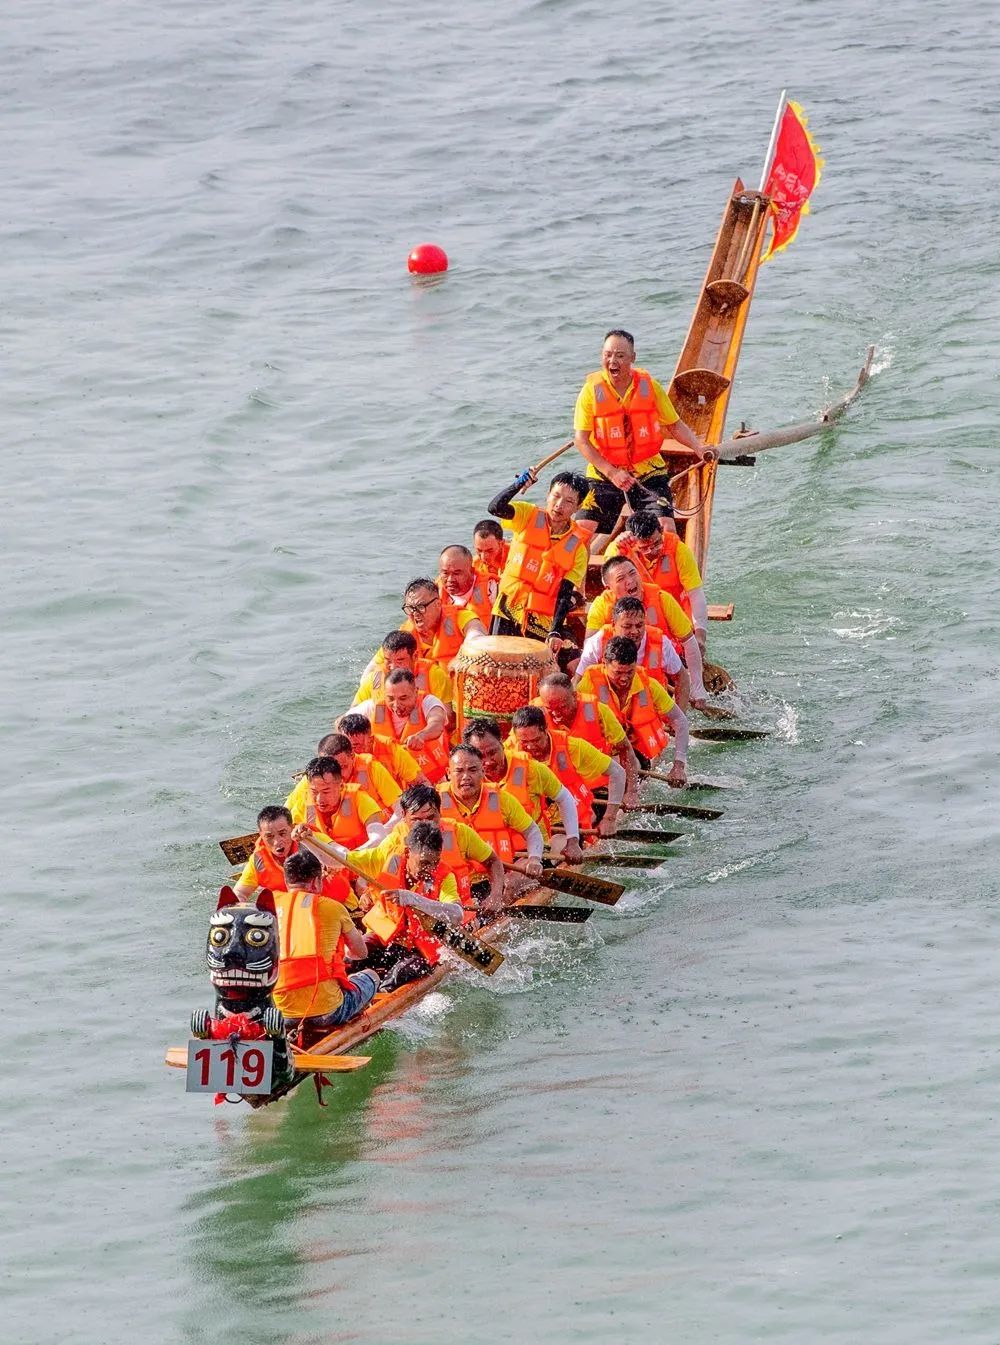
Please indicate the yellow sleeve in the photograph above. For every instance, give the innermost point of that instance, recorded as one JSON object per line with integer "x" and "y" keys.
{"x": 464, "y": 615}
{"x": 449, "y": 889}
{"x": 440, "y": 682}
{"x": 600, "y": 612}
{"x": 298, "y": 801}
{"x": 522, "y": 515}
{"x": 335, "y": 921}
{"x": 610, "y": 726}
{"x": 578, "y": 573}
{"x": 367, "y": 807}
{"x": 372, "y": 862}
{"x": 664, "y": 406}
{"x": 687, "y": 568}
{"x": 588, "y": 760}
{"x": 678, "y": 621}
{"x": 249, "y": 878}
{"x": 583, "y": 412}
{"x": 663, "y": 702}
{"x": 586, "y": 687}
{"x": 513, "y": 812}
{"x": 365, "y": 691}
{"x": 404, "y": 764}
{"x": 543, "y": 781}
{"x": 471, "y": 845}
{"x": 385, "y": 786}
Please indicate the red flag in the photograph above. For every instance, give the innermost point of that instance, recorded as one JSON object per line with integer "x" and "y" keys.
{"x": 795, "y": 171}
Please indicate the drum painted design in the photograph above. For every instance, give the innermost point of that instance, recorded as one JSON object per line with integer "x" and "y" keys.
{"x": 497, "y": 674}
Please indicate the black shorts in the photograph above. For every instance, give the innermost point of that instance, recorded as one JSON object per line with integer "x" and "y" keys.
{"x": 603, "y": 502}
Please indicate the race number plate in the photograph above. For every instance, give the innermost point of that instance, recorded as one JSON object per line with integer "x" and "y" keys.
{"x": 219, "y": 1067}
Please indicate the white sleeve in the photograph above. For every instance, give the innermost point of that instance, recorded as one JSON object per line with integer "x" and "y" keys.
{"x": 366, "y": 708}
{"x": 692, "y": 652}
{"x": 432, "y": 703}
{"x": 589, "y": 655}
{"x": 672, "y": 661}
{"x": 699, "y": 608}
{"x": 568, "y": 814}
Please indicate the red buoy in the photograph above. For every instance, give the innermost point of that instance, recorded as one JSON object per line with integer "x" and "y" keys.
{"x": 427, "y": 259}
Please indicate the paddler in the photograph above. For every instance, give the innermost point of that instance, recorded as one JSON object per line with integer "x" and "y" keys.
{"x": 400, "y": 764}
{"x": 547, "y": 561}
{"x": 661, "y": 558}
{"x": 656, "y": 652}
{"x": 417, "y": 720}
{"x": 317, "y": 936}
{"x": 275, "y": 843}
{"x": 356, "y": 768}
{"x": 641, "y": 706}
{"x": 490, "y": 548}
{"x": 621, "y": 579}
{"x": 462, "y": 586}
{"x": 622, "y": 418}
{"x": 399, "y": 650}
{"x": 412, "y": 878}
{"x": 582, "y": 716}
{"x": 439, "y": 626}
{"x": 462, "y": 846}
{"x": 494, "y": 814}
{"x": 343, "y": 812}
{"x": 575, "y": 763}
{"x": 532, "y": 784}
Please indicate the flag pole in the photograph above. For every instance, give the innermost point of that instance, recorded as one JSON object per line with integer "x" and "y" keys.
{"x": 769, "y": 159}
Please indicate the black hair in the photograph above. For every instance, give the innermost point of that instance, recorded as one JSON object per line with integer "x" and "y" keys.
{"x": 529, "y": 717}
{"x": 333, "y": 743}
{"x": 620, "y": 331}
{"x": 467, "y": 748}
{"x": 488, "y": 527}
{"x": 624, "y": 606}
{"x": 425, "y": 836}
{"x": 556, "y": 679}
{"x": 351, "y": 723}
{"x": 415, "y": 584}
{"x": 611, "y": 564}
{"x": 620, "y": 649}
{"x": 643, "y": 524}
{"x": 302, "y": 867}
{"x": 399, "y": 640}
{"x": 400, "y": 675}
{"x": 274, "y": 812}
{"x": 419, "y": 796}
{"x": 320, "y": 766}
{"x": 463, "y": 551}
{"x": 482, "y": 728}
{"x": 573, "y": 480}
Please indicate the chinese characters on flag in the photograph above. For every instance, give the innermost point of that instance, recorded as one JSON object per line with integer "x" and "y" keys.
{"x": 795, "y": 170}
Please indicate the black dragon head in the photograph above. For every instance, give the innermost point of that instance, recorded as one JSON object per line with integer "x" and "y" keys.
{"x": 243, "y": 947}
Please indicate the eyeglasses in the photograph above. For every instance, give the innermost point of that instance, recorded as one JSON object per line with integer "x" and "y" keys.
{"x": 419, "y": 608}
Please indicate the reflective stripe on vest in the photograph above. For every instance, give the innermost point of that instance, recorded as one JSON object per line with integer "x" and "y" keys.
{"x": 537, "y": 564}
{"x": 487, "y": 821}
{"x": 626, "y": 435}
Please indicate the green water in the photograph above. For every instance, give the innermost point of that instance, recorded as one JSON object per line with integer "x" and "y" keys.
{"x": 759, "y": 1099}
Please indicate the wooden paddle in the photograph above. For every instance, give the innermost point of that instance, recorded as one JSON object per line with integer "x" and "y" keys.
{"x": 701, "y": 783}
{"x": 727, "y": 735}
{"x": 715, "y": 677}
{"x": 238, "y": 849}
{"x": 579, "y": 885}
{"x": 624, "y": 862}
{"x": 525, "y": 477}
{"x": 650, "y": 834}
{"x": 666, "y": 809}
{"x": 466, "y": 946}
{"x": 561, "y": 915}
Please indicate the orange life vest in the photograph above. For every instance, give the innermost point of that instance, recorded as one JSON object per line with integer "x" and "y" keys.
{"x": 301, "y": 963}
{"x": 383, "y": 752}
{"x": 640, "y": 720}
{"x": 560, "y": 763}
{"x": 489, "y": 571}
{"x": 271, "y": 875}
{"x": 652, "y": 654}
{"x": 487, "y": 821}
{"x": 345, "y": 825}
{"x": 363, "y": 779}
{"x": 480, "y": 600}
{"x": 663, "y": 571}
{"x": 537, "y": 564}
{"x": 421, "y": 676}
{"x": 447, "y": 639}
{"x": 626, "y": 435}
{"x": 394, "y": 924}
{"x": 586, "y": 723}
{"x": 432, "y": 757}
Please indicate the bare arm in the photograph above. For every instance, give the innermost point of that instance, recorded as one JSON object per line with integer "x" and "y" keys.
{"x": 354, "y": 942}
{"x": 616, "y": 791}
{"x": 685, "y": 435}
{"x": 630, "y": 763}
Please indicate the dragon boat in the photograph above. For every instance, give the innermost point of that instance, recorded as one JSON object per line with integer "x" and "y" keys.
{"x": 700, "y": 389}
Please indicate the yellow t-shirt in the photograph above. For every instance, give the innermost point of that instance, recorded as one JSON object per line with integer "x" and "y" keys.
{"x": 677, "y": 620}
{"x": 687, "y": 567}
{"x": 610, "y": 727}
{"x": 384, "y": 789}
{"x": 583, "y": 419}
{"x": 368, "y": 809}
{"x": 334, "y": 922}
{"x": 372, "y": 862}
{"x": 663, "y": 702}
{"x": 439, "y": 684}
{"x": 511, "y": 810}
{"x": 590, "y": 763}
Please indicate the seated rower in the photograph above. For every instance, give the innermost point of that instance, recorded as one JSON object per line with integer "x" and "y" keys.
{"x": 401, "y": 764}
{"x": 532, "y": 784}
{"x": 575, "y": 763}
{"x": 641, "y": 706}
{"x": 546, "y": 564}
{"x": 265, "y": 867}
{"x": 439, "y": 626}
{"x": 399, "y": 650}
{"x": 356, "y": 768}
{"x": 581, "y": 716}
{"x": 656, "y": 652}
{"x": 661, "y": 558}
{"x": 462, "y": 586}
{"x": 462, "y": 846}
{"x": 495, "y": 816}
{"x": 417, "y": 720}
{"x": 343, "y": 812}
{"x": 317, "y": 935}
{"x": 490, "y": 548}
{"x": 622, "y": 580}
{"x": 412, "y": 878}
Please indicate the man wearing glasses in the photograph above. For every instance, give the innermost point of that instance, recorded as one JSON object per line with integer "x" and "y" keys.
{"x": 438, "y": 625}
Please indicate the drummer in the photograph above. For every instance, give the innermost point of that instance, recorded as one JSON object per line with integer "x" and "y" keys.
{"x": 532, "y": 784}
{"x": 641, "y": 706}
{"x": 583, "y": 716}
{"x": 622, "y": 580}
{"x": 547, "y": 562}
{"x": 576, "y": 763}
{"x": 418, "y": 720}
{"x": 399, "y": 650}
{"x": 495, "y": 815}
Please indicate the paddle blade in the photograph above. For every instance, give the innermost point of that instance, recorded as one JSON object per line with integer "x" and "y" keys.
{"x": 238, "y": 849}
{"x": 728, "y": 735}
{"x": 463, "y": 944}
{"x": 626, "y": 861}
{"x": 649, "y": 834}
{"x": 664, "y": 809}
{"x": 583, "y": 885}
{"x": 560, "y": 915}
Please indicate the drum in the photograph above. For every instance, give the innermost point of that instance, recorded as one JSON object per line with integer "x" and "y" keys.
{"x": 497, "y": 674}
